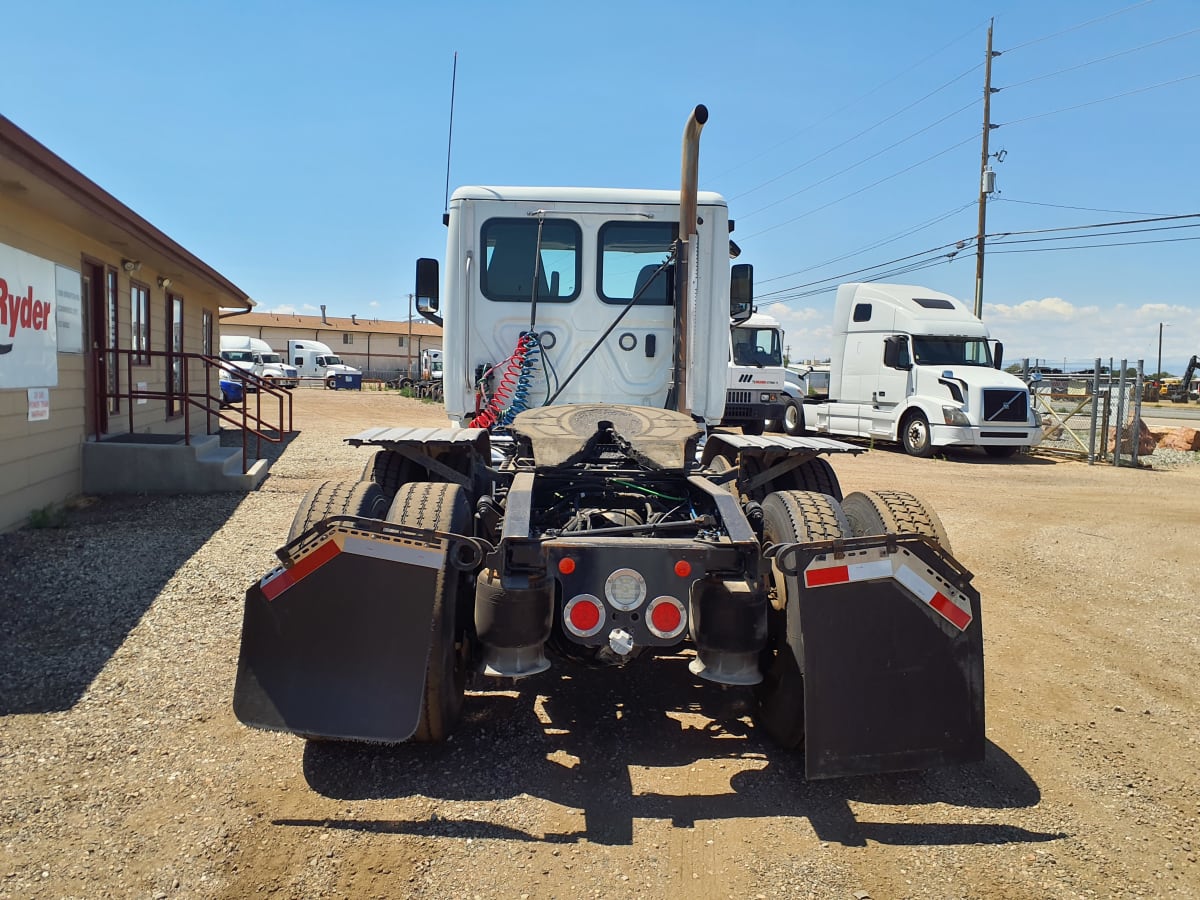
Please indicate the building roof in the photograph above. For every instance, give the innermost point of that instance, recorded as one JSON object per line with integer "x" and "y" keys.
{"x": 31, "y": 174}
{"x": 329, "y": 323}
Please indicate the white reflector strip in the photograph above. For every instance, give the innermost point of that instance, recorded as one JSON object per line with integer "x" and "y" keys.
{"x": 395, "y": 552}
{"x": 947, "y": 602}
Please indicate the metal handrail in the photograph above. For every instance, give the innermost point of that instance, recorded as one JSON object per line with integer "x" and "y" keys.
{"x": 250, "y": 423}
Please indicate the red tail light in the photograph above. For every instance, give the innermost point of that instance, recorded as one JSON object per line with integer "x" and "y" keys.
{"x": 666, "y": 617}
{"x": 583, "y": 615}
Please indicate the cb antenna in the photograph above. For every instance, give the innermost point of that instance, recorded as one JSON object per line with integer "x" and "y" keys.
{"x": 450, "y": 139}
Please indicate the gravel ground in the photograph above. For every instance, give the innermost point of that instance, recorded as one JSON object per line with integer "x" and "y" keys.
{"x": 126, "y": 775}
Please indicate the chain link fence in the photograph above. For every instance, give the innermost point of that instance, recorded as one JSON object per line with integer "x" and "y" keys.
{"x": 1090, "y": 411}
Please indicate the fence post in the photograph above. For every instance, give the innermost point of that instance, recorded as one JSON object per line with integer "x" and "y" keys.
{"x": 1119, "y": 426}
{"x": 1137, "y": 413}
{"x": 1095, "y": 412}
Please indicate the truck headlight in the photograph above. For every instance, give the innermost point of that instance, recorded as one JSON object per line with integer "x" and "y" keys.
{"x": 766, "y": 398}
{"x": 955, "y": 416}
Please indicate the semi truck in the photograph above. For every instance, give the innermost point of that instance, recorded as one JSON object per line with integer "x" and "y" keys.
{"x": 256, "y": 356}
{"x": 585, "y": 509}
{"x": 313, "y": 359}
{"x": 427, "y": 382}
{"x": 916, "y": 366}
{"x": 756, "y": 374}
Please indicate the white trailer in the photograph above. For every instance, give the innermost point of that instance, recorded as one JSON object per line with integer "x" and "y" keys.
{"x": 916, "y": 366}
{"x": 315, "y": 360}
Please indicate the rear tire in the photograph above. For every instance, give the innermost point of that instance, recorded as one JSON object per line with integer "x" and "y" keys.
{"x": 815, "y": 474}
{"x": 893, "y": 512}
{"x": 915, "y": 435}
{"x": 363, "y": 499}
{"x": 788, "y": 517}
{"x": 390, "y": 470}
{"x": 441, "y": 507}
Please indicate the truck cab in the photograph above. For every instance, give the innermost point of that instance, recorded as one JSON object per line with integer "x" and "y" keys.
{"x": 602, "y": 263}
{"x": 255, "y": 355}
{"x": 314, "y": 359}
{"x": 756, "y": 374}
{"x": 915, "y": 366}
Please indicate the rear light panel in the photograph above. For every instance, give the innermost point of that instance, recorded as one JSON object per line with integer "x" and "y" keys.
{"x": 641, "y": 591}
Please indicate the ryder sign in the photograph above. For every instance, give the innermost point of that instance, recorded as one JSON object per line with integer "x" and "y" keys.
{"x": 28, "y": 337}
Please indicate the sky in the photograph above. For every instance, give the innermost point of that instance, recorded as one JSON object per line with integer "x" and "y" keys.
{"x": 301, "y": 148}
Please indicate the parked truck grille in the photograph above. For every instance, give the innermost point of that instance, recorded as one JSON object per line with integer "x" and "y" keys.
{"x": 737, "y": 397}
{"x": 1005, "y": 405}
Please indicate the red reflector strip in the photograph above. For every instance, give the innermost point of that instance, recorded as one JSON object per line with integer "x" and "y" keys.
{"x": 957, "y": 617}
{"x": 274, "y": 585}
{"x": 832, "y": 575}
{"x": 939, "y": 602}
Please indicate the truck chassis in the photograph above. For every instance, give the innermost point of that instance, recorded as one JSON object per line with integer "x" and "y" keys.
{"x": 607, "y": 535}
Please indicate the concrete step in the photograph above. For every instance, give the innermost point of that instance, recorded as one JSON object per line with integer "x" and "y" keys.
{"x": 136, "y": 464}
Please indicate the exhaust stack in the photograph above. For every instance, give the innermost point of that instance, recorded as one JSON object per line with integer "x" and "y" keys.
{"x": 685, "y": 261}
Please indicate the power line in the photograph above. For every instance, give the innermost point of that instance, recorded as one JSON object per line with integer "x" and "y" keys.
{"x": 1140, "y": 90}
{"x": 863, "y": 189}
{"x": 857, "y": 164}
{"x": 1128, "y": 212}
{"x": 880, "y": 243}
{"x": 1101, "y": 59}
{"x": 855, "y": 137}
{"x": 1079, "y": 237}
{"x": 891, "y": 79}
{"x": 936, "y": 256}
{"x": 1077, "y": 27}
{"x": 1093, "y": 246}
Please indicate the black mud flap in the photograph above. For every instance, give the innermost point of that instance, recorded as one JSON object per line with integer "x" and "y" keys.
{"x": 892, "y": 655}
{"x": 336, "y": 641}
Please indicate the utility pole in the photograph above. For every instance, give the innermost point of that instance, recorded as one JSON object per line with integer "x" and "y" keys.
{"x": 983, "y": 186}
{"x": 409, "y": 372}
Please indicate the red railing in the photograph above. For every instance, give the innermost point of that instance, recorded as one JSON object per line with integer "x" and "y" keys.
{"x": 250, "y": 421}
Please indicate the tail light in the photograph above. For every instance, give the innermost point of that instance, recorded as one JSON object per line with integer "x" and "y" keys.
{"x": 583, "y": 615}
{"x": 666, "y": 618}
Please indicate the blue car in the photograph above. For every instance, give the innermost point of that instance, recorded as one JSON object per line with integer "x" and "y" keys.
{"x": 232, "y": 389}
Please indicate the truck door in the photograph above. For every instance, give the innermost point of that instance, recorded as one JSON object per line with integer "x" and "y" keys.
{"x": 892, "y": 372}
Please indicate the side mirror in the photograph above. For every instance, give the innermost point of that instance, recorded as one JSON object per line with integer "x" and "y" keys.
{"x": 998, "y": 354}
{"x": 741, "y": 292}
{"x": 428, "y": 281}
{"x": 895, "y": 352}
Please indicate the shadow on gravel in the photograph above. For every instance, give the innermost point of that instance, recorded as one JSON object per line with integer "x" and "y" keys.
{"x": 572, "y": 739}
{"x": 70, "y": 595}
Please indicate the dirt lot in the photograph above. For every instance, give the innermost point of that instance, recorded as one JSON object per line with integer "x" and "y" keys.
{"x": 125, "y": 774}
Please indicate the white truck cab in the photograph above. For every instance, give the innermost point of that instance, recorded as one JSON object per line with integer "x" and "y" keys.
{"x": 756, "y": 373}
{"x": 313, "y": 359}
{"x": 916, "y": 366}
{"x": 597, "y": 250}
{"x": 256, "y": 356}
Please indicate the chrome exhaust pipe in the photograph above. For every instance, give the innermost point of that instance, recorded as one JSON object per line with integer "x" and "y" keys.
{"x": 687, "y": 227}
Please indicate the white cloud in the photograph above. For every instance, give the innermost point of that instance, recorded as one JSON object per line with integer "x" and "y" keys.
{"x": 283, "y": 309}
{"x": 790, "y": 314}
{"x": 1048, "y": 309}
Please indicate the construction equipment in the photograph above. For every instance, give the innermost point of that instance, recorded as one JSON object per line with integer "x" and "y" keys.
{"x": 555, "y": 524}
{"x": 1183, "y": 392}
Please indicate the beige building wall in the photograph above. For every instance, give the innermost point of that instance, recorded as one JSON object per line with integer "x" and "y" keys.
{"x": 41, "y": 462}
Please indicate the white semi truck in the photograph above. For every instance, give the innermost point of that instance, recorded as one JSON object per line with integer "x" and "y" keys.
{"x": 313, "y": 359}
{"x": 756, "y": 373}
{"x": 913, "y": 365}
{"x": 571, "y": 517}
{"x": 256, "y": 356}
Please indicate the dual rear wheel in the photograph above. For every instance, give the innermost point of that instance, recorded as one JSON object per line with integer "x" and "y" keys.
{"x": 429, "y": 505}
{"x": 801, "y": 517}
